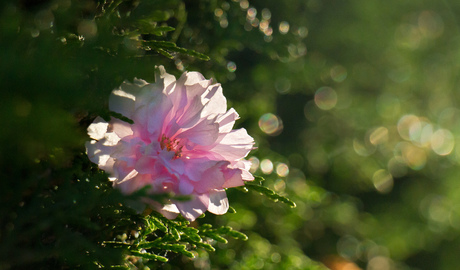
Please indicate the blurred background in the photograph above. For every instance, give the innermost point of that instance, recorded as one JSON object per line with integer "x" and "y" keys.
{"x": 353, "y": 106}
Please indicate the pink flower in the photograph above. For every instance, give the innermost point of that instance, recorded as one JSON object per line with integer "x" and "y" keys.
{"x": 181, "y": 141}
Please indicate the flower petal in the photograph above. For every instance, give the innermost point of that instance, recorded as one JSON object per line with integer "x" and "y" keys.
{"x": 185, "y": 187}
{"x": 101, "y": 155}
{"x": 235, "y": 145}
{"x": 204, "y": 133}
{"x": 165, "y": 79}
{"x": 145, "y": 165}
{"x": 122, "y": 100}
{"x": 170, "y": 211}
{"x": 227, "y": 120}
{"x": 218, "y": 202}
{"x": 193, "y": 208}
{"x": 216, "y": 103}
{"x": 233, "y": 178}
{"x": 98, "y": 128}
{"x": 194, "y": 168}
{"x": 212, "y": 178}
{"x": 121, "y": 128}
{"x": 156, "y": 111}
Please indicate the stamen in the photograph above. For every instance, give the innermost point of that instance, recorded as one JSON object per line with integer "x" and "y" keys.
{"x": 171, "y": 145}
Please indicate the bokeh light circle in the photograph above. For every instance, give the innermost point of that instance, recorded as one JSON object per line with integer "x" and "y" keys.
{"x": 284, "y": 27}
{"x": 254, "y": 164}
{"x": 270, "y": 124}
{"x": 325, "y": 98}
{"x": 266, "y": 166}
{"x": 442, "y": 142}
{"x": 282, "y": 170}
{"x": 231, "y": 66}
{"x": 383, "y": 181}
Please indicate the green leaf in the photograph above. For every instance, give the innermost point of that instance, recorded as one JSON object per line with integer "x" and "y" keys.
{"x": 158, "y": 224}
{"x": 160, "y": 15}
{"x": 256, "y": 185}
{"x": 231, "y": 210}
{"x": 149, "y": 256}
{"x": 173, "y": 231}
{"x": 150, "y": 27}
{"x": 167, "y": 47}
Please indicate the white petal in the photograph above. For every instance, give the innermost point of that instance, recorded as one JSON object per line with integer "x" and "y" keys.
{"x": 170, "y": 211}
{"x": 217, "y": 103}
{"x": 98, "y": 128}
{"x": 128, "y": 177}
{"x": 227, "y": 120}
{"x": 218, "y": 202}
{"x": 193, "y": 208}
{"x": 122, "y": 100}
{"x": 110, "y": 139}
{"x": 235, "y": 145}
{"x": 194, "y": 77}
{"x": 164, "y": 78}
{"x": 121, "y": 128}
{"x": 247, "y": 176}
{"x": 101, "y": 155}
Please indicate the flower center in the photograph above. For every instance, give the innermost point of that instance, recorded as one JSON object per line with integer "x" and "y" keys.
{"x": 171, "y": 146}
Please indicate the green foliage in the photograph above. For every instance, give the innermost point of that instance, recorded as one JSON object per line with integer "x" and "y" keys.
{"x": 256, "y": 185}
{"x": 167, "y": 49}
{"x": 158, "y": 235}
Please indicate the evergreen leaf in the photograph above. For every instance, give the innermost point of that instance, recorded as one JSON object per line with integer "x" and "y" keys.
{"x": 149, "y": 256}
{"x": 271, "y": 194}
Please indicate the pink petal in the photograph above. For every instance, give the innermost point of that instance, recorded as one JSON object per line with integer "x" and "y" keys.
{"x": 127, "y": 151}
{"x": 156, "y": 113}
{"x": 233, "y": 178}
{"x": 145, "y": 165}
{"x": 193, "y": 113}
{"x": 121, "y": 170}
{"x": 235, "y": 145}
{"x": 132, "y": 182}
{"x": 212, "y": 178}
{"x": 218, "y": 202}
{"x": 189, "y": 86}
{"x": 185, "y": 187}
{"x": 194, "y": 208}
{"x": 195, "y": 167}
{"x": 204, "y": 133}
{"x": 174, "y": 166}
{"x": 121, "y": 128}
